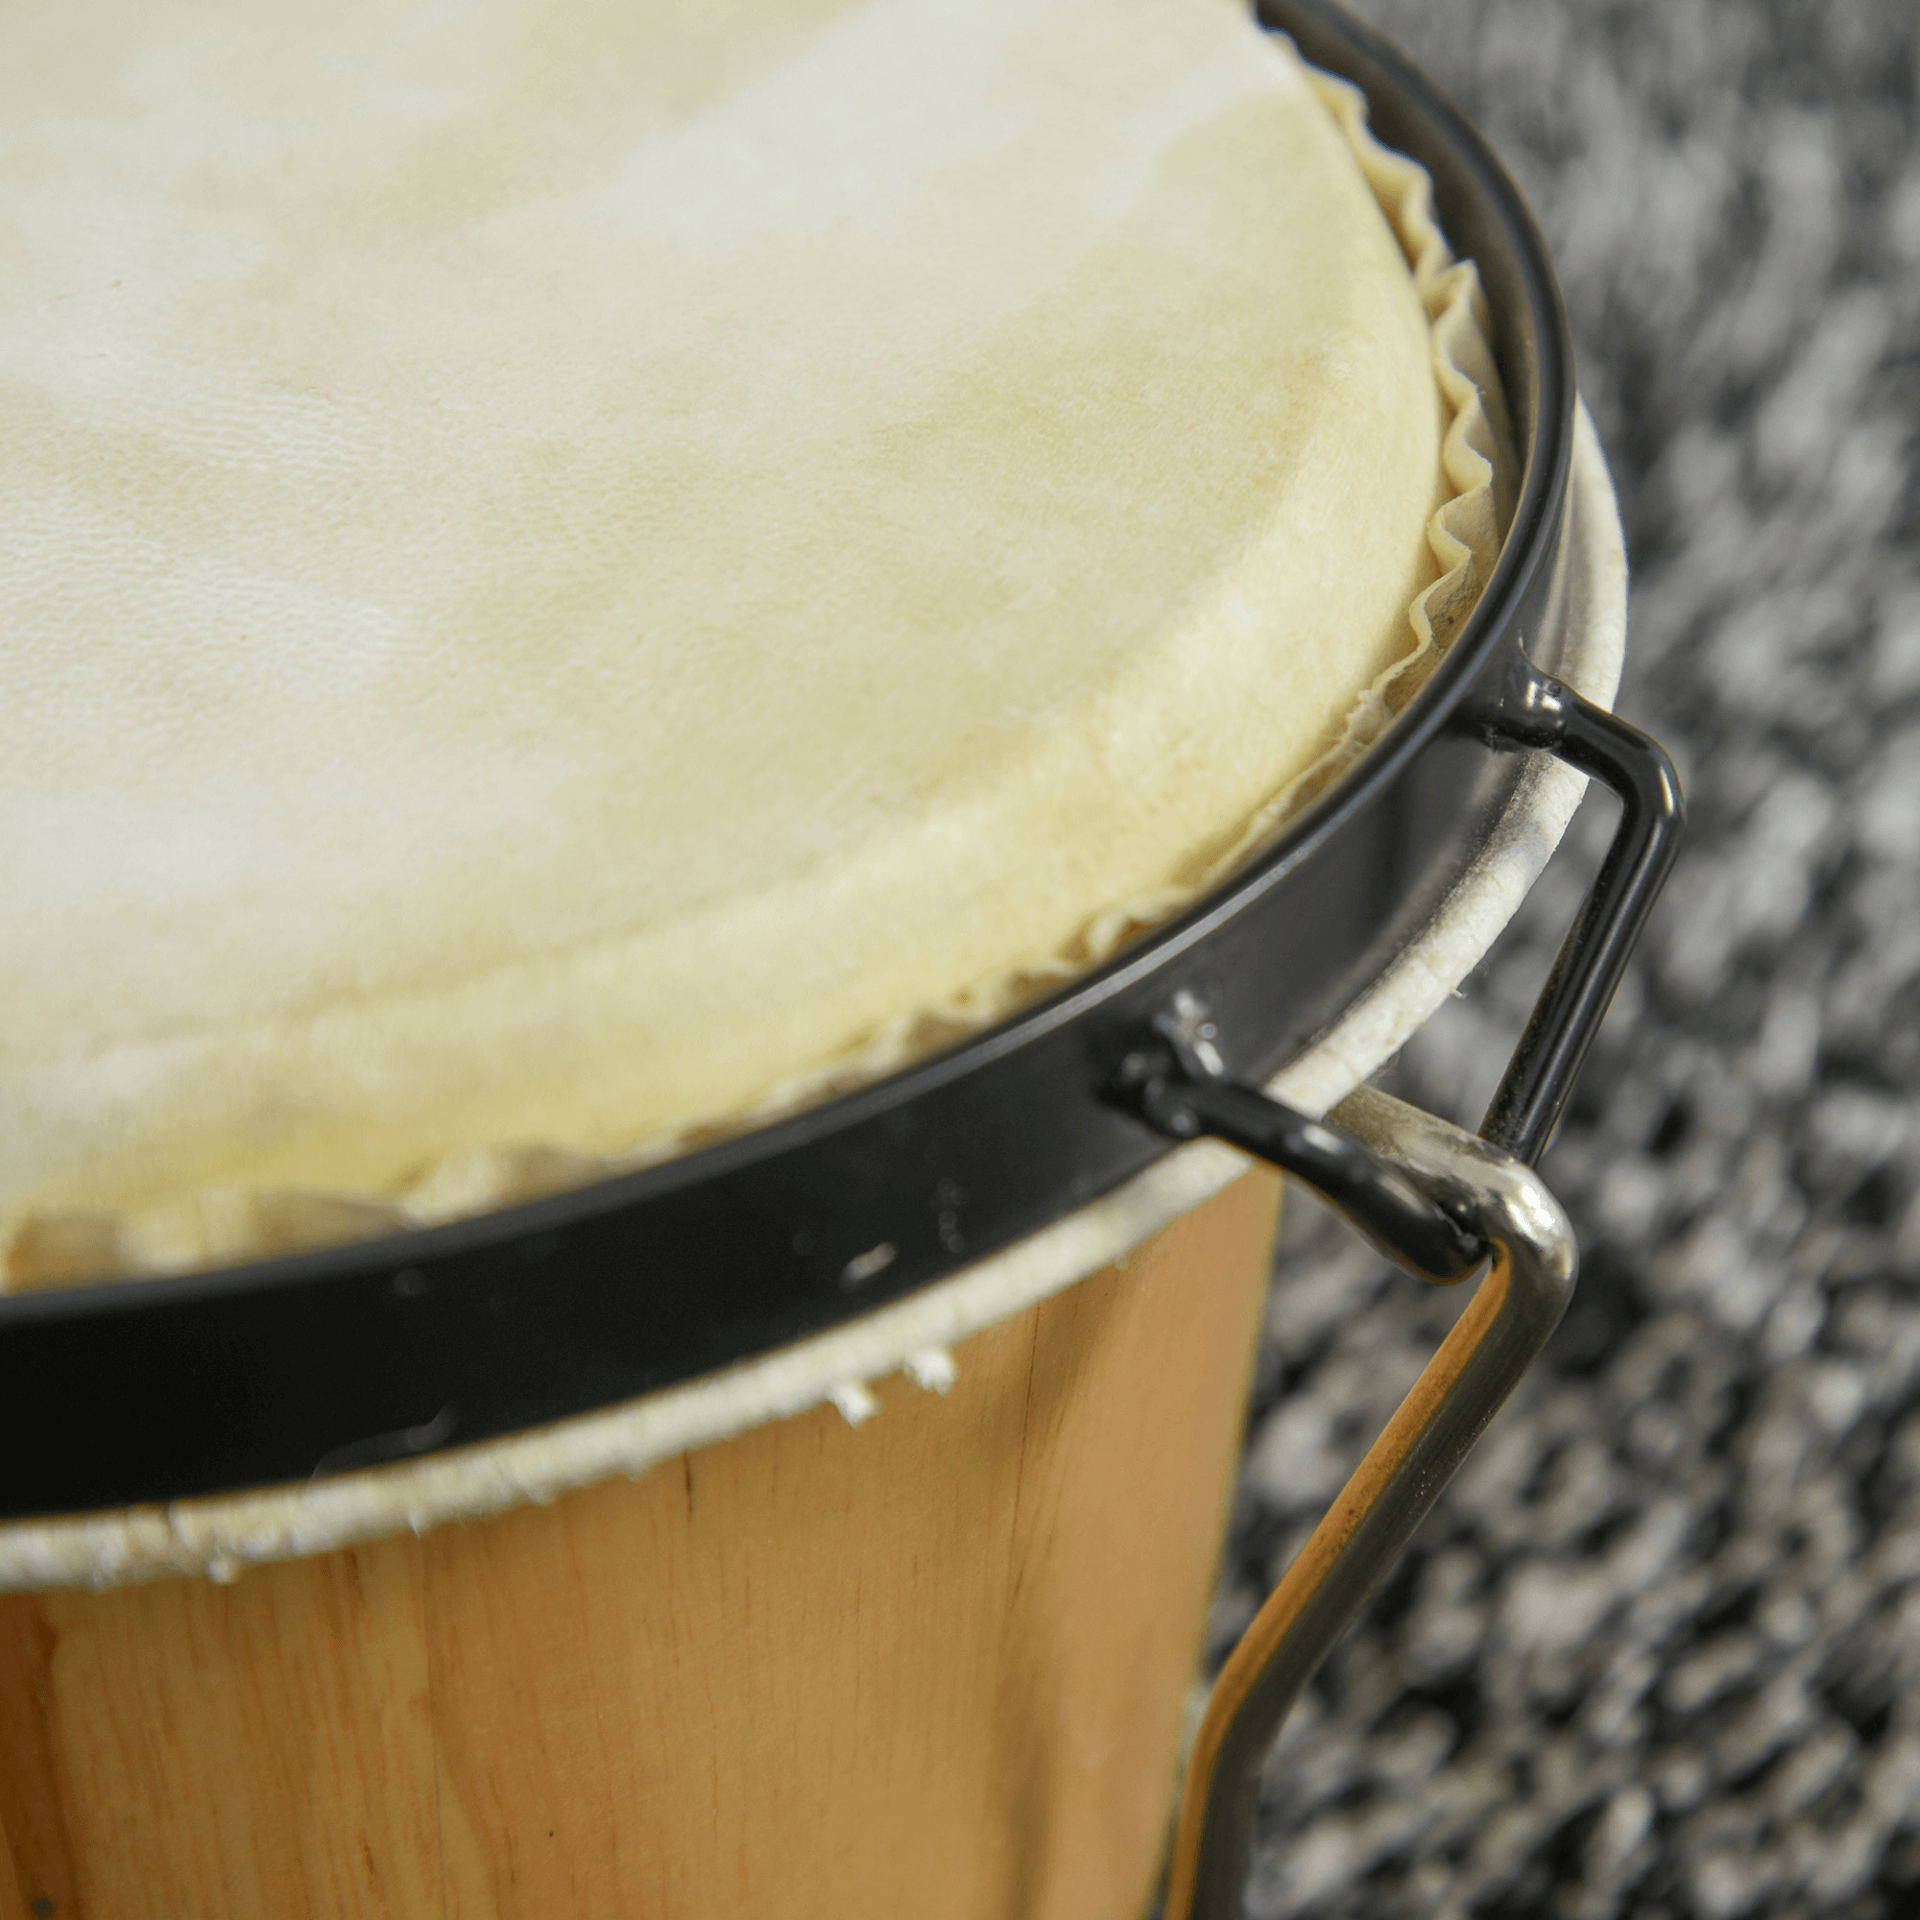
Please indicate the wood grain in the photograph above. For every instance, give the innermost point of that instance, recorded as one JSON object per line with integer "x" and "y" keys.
{"x": 933, "y": 1665}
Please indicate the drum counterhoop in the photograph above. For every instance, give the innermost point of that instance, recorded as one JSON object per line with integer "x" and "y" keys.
{"x": 279, "y": 1369}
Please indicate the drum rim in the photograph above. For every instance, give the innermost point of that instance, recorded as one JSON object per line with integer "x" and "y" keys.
{"x": 199, "y": 1334}
{"x": 220, "y": 1535}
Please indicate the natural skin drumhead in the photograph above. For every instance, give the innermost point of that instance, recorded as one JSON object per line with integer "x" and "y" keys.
{"x": 574, "y": 573}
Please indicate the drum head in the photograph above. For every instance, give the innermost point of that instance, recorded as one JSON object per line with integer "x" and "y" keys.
{"x": 532, "y": 1314}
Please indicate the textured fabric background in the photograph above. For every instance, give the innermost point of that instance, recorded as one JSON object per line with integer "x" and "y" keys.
{"x": 1658, "y": 1651}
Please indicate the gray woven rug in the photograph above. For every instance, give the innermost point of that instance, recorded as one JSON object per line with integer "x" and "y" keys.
{"x": 1658, "y": 1651}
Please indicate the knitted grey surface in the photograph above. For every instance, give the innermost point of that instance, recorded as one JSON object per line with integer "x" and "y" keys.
{"x": 1658, "y": 1651}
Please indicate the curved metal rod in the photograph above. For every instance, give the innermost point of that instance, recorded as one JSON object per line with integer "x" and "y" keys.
{"x": 1537, "y": 711}
{"x": 1505, "y": 1325}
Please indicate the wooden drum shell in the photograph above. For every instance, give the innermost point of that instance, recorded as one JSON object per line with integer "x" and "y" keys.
{"x": 935, "y": 1664}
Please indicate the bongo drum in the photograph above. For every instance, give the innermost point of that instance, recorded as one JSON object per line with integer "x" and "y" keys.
{"x": 721, "y": 728}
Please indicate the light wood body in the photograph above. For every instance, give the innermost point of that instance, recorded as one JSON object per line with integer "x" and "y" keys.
{"x": 932, "y": 1666}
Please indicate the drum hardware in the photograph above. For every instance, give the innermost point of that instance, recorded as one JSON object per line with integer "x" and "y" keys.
{"x": 1180, "y": 1086}
{"x": 1519, "y": 1303}
{"x": 1440, "y": 1203}
{"x": 1537, "y": 711}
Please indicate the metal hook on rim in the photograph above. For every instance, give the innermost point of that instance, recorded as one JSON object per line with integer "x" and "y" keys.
{"x": 1178, "y": 1083}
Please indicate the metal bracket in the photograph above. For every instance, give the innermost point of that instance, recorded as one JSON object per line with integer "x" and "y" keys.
{"x": 1537, "y": 711}
{"x": 1438, "y": 1201}
{"x": 1178, "y": 1083}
